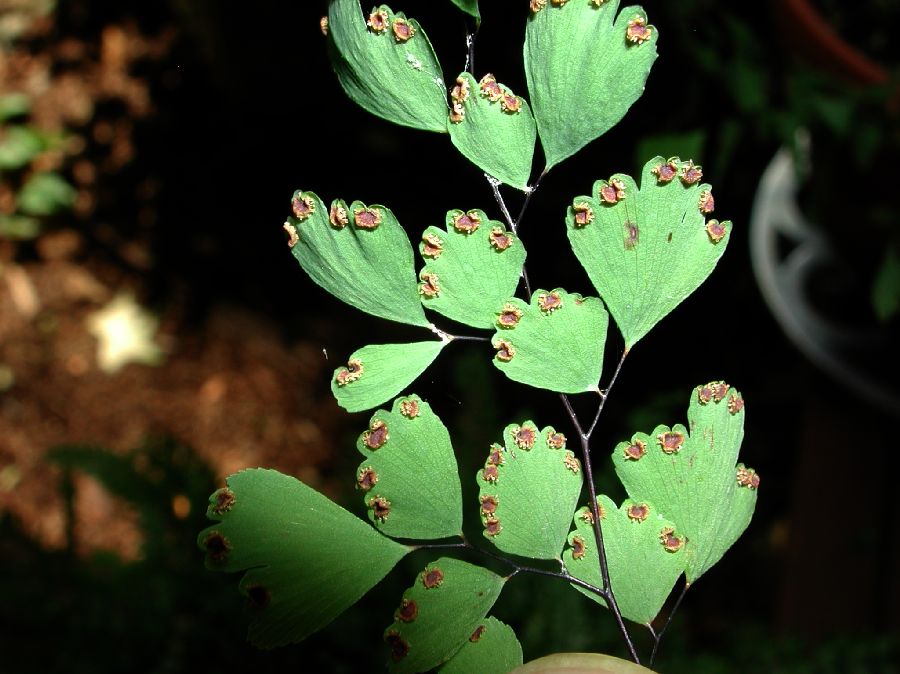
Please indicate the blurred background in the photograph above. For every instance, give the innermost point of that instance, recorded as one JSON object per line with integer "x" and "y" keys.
{"x": 156, "y": 335}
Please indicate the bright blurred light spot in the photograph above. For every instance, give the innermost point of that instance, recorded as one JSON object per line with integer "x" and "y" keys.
{"x": 181, "y": 506}
{"x": 9, "y": 477}
{"x": 124, "y": 331}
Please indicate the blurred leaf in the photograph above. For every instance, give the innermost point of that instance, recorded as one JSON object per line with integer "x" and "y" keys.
{"x": 528, "y": 490}
{"x": 646, "y": 251}
{"x": 19, "y": 145}
{"x": 45, "y": 194}
{"x": 378, "y": 372}
{"x": 493, "y": 128}
{"x": 14, "y": 105}
{"x": 886, "y": 288}
{"x": 556, "y": 342}
{"x": 439, "y": 613}
{"x": 117, "y": 473}
{"x": 868, "y": 140}
{"x": 836, "y": 112}
{"x": 386, "y": 64}
{"x": 584, "y": 71}
{"x": 495, "y": 651}
{"x": 18, "y": 18}
{"x": 476, "y": 264}
{"x": 153, "y": 478}
{"x": 692, "y": 478}
{"x": 749, "y": 86}
{"x": 469, "y": 7}
{"x": 409, "y": 477}
{"x": 726, "y": 143}
{"x": 359, "y": 254}
{"x": 743, "y": 75}
{"x": 306, "y": 558}
{"x": 644, "y": 552}
{"x": 19, "y": 227}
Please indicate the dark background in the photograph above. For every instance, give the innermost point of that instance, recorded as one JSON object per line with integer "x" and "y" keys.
{"x": 245, "y": 110}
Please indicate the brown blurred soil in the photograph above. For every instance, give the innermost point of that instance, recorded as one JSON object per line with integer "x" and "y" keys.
{"x": 231, "y": 388}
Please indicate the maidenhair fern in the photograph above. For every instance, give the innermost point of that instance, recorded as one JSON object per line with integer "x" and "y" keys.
{"x": 645, "y": 246}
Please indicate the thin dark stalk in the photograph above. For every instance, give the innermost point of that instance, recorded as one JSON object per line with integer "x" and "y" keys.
{"x": 598, "y": 531}
{"x": 521, "y": 568}
{"x": 513, "y": 224}
{"x": 447, "y": 337}
{"x": 658, "y": 638}
{"x": 531, "y": 190}
{"x": 556, "y": 574}
{"x": 440, "y": 546}
{"x": 470, "y": 50}
{"x": 469, "y": 338}
{"x": 606, "y": 591}
{"x": 495, "y": 187}
{"x": 604, "y": 395}
{"x": 517, "y": 568}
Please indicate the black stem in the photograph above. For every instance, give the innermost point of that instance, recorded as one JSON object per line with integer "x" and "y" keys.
{"x": 470, "y": 50}
{"x": 446, "y": 336}
{"x": 658, "y": 638}
{"x": 437, "y": 546}
{"x": 528, "y": 194}
{"x": 604, "y": 395}
{"x": 655, "y": 638}
{"x": 495, "y": 187}
{"x": 598, "y": 531}
{"x": 606, "y": 591}
{"x": 468, "y": 338}
{"x": 556, "y": 574}
{"x": 513, "y": 224}
{"x": 517, "y": 568}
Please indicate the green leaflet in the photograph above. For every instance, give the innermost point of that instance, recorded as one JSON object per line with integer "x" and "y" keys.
{"x": 14, "y": 105}
{"x": 492, "y": 649}
{"x": 378, "y": 372}
{"x": 692, "y": 478}
{"x": 360, "y": 254}
{"x": 646, "y": 251}
{"x": 584, "y": 71}
{"x": 493, "y": 128}
{"x": 471, "y": 267}
{"x": 19, "y": 145}
{"x": 644, "y": 551}
{"x": 45, "y": 194}
{"x": 386, "y": 64}
{"x": 555, "y": 343}
{"x": 306, "y": 558}
{"x": 469, "y": 7}
{"x": 409, "y": 477}
{"x": 438, "y": 614}
{"x": 528, "y": 490}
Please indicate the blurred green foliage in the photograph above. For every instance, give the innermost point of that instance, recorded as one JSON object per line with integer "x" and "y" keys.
{"x": 843, "y": 133}
{"x": 38, "y": 193}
